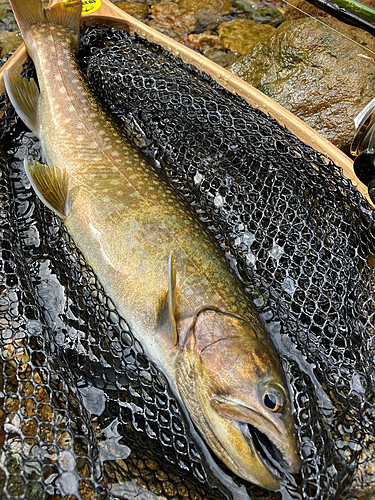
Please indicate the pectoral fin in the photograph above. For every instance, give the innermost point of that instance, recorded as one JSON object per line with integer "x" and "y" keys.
{"x": 24, "y": 95}
{"x": 167, "y": 306}
{"x": 51, "y": 185}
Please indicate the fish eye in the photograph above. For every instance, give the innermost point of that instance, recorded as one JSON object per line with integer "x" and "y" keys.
{"x": 273, "y": 399}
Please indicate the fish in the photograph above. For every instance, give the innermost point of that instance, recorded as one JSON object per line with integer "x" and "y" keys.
{"x": 164, "y": 272}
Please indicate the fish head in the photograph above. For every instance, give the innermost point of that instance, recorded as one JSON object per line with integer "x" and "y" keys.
{"x": 244, "y": 408}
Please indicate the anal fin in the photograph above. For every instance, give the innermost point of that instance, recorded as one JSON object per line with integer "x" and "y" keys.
{"x": 24, "y": 95}
{"x": 51, "y": 185}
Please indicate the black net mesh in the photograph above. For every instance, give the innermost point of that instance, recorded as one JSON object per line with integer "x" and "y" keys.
{"x": 86, "y": 414}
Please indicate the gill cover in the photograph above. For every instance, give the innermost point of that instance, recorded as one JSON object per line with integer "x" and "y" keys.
{"x": 233, "y": 387}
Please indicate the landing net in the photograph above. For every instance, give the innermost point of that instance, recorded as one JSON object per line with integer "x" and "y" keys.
{"x": 85, "y": 414}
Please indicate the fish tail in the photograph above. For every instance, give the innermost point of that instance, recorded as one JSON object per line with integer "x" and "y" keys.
{"x": 28, "y": 13}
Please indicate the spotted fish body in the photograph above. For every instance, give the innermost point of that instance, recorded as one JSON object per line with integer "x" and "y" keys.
{"x": 156, "y": 261}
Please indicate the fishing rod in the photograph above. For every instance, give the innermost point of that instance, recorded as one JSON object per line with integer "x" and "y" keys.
{"x": 350, "y": 12}
{"x": 360, "y": 9}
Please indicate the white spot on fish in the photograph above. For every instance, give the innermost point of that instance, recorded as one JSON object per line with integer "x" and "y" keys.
{"x": 276, "y": 251}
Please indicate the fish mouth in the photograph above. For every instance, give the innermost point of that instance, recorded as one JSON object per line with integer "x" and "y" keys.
{"x": 271, "y": 453}
{"x": 268, "y": 452}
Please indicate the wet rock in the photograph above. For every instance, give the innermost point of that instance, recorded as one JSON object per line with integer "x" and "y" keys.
{"x": 172, "y": 19}
{"x": 9, "y": 41}
{"x": 135, "y": 9}
{"x": 320, "y": 76}
{"x": 209, "y": 45}
{"x": 259, "y": 12}
{"x": 266, "y": 15}
{"x": 207, "y": 13}
{"x": 203, "y": 41}
{"x": 240, "y": 35}
{"x": 234, "y": 40}
{"x": 220, "y": 56}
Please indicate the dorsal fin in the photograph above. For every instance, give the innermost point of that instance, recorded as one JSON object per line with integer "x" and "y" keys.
{"x": 167, "y": 307}
{"x": 51, "y": 186}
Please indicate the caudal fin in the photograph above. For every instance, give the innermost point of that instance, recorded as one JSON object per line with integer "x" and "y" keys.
{"x": 30, "y": 12}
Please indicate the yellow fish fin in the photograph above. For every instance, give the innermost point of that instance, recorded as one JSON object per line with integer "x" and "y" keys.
{"x": 51, "y": 185}
{"x": 67, "y": 14}
{"x": 24, "y": 95}
{"x": 167, "y": 307}
{"x": 31, "y": 12}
